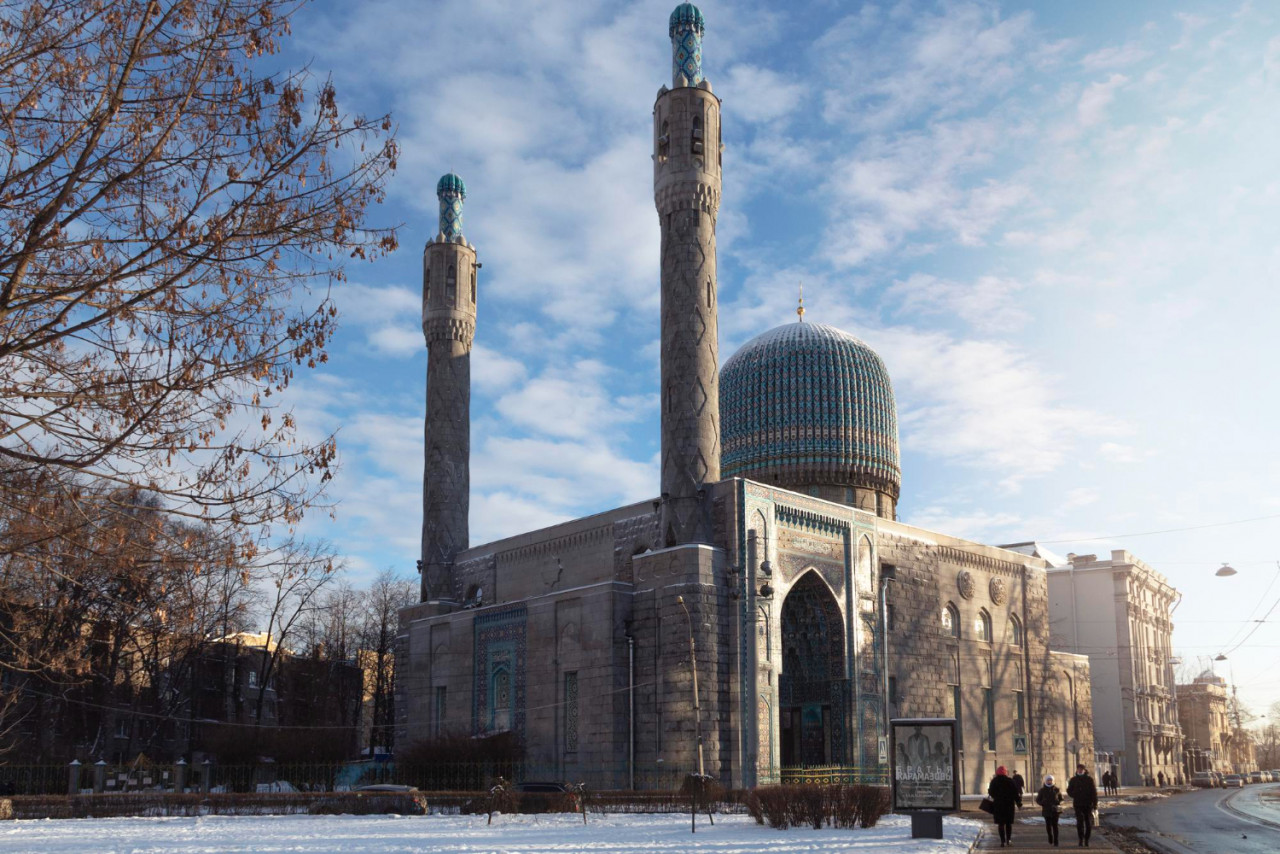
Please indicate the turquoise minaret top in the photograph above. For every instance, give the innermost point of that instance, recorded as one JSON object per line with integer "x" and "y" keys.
{"x": 451, "y": 192}
{"x": 687, "y": 26}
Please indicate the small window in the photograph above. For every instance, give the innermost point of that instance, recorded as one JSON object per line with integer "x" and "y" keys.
{"x": 253, "y": 679}
{"x": 951, "y": 621}
{"x": 473, "y": 285}
{"x": 451, "y": 286}
{"x": 982, "y": 626}
{"x": 122, "y": 727}
{"x": 664, "y": 141}
{"x": 426, "y": 284}
{"x": 893, "y": 690}
{"x": 1015, "y": 629}
{"x": 696, "y": 148}
{"x": 890, "y": 617}
{"x": 442, "y": 693}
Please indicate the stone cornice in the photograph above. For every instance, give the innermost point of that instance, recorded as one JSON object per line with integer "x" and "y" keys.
{"x": 965, "y": 557}
{"x": 450, "y": 329}
{"x": 578, "y": 538}
{"x": 686, "y": 195}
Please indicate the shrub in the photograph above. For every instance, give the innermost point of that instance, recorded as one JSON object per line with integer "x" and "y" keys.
{"x": 752, "y": 802}
{"x": 873, "y": 804}
{"x": 812, "y": 805}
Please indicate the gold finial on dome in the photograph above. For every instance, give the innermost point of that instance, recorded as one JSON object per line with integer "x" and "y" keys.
{"x": 800, "y": 307}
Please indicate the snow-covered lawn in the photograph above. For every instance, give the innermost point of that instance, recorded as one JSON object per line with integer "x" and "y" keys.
{"x": 615, "y": 834}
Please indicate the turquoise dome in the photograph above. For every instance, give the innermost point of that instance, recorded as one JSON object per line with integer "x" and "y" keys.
{"x": 451, "y": 183}
{"x": 687, "y": 14}
{"x": 809, "y": 407}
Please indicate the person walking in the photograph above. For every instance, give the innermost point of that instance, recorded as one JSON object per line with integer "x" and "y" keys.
{"x": 1019, "y": 782}
{"x": 1084, "y": 798}
{"x": 1005, "y": 797}
{"x": 1160, "y": 779}
{"x": 1050, "y": 800}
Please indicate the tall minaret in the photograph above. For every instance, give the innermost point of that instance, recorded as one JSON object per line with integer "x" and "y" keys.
{"x": 449, "y": 323}
{"x": 686, "y": 190}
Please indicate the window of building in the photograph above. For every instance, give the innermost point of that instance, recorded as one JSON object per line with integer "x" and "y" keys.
{"x": 953, "y": 692}
{"x": 664, "y": 140}
{"x": 571, "y": 712}
{"x": 473, "y": 285}
{"x": 951, "y": 621}
{"x": 253, "y": 679}
{"x": 982, "y": 626}
{"x": 426, "y": 283}
{"x": 890, "y": 617}
{"x": 989, "y": 718}
{"x": 451, "y": 286}
{"x": 696, "y": 147}
{"x": 122, "y": 727}
{"x": 441, "y": 696}
{"x": 1015, "y": 629}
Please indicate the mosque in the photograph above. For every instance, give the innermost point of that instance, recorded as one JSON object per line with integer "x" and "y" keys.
{"x": 766, "y": 610}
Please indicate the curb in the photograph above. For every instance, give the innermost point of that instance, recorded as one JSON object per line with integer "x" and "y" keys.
{"x": 1239, "y": 813}
{"x": 1163, "y": 844}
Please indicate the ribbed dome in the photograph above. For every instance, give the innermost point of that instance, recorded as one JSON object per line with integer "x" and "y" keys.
{"x": 451, "y": 183}
{"x": 810, "y": 408}
{"x": 687, "y": 14}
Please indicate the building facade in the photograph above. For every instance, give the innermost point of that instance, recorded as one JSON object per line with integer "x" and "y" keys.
{"x": 1119, "y": 613}
{"x": 772, "y": 557}
{"x": 1215, "y": 741}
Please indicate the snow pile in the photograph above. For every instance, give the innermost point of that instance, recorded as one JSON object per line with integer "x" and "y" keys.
{"x": 525, "y": 834}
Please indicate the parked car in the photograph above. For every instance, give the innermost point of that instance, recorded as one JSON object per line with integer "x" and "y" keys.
{"x": 1203, "y": 780}
{"x": 1217, "y": 778}
{"x": 1233, "y": 781}
{"x": 1255, "y": 777}
{"x": 1275, "y": 775}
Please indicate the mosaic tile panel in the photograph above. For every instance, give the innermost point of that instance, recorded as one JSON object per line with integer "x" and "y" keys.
{"x": 501, "y": 648}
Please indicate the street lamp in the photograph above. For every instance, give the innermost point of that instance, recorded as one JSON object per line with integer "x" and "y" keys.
{"x": 693, "y": 668}
{"x": 1235, "y": 702}
{"x": 1225, "y": 571}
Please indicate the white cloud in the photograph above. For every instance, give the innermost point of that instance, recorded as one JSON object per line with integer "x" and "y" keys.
{"x": 390, "y": 317}
{"x": 989, "y": 303}
{"x": 1095, "y": 99}
{"x": 760, "y": 94}
{"x": 1115, "y": 57}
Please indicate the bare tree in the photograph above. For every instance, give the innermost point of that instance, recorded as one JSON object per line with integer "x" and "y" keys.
{"x": 167, "y": 205}
{"x": 162, "y": 206}
{"x": 386, "y": 596}
{"x": 294, "y": 578}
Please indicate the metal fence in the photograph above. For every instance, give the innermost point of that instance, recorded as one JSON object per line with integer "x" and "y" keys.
{"x": 433, "y": 777}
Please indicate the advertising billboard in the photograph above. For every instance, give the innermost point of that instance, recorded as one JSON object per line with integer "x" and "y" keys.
{"x": 923, "y": 764}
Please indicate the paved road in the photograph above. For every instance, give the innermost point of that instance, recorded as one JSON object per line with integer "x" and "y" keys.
{"x": 1207, "y": 821}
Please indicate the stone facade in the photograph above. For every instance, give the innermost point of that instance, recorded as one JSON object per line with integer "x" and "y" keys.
{"x": 1213, "y": 742}
{"x": 1119, "y": 612}
{"x": 448, "y": 322}
{"x": 593, "y": 602}
{"x": 686, "y": 190}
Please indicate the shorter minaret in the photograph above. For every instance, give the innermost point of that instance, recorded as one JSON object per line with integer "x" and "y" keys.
{"x": 449, "y": 324}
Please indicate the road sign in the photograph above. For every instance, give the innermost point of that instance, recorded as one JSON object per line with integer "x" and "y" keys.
{"x": 1020, "y": 745}
{"x": 884, "y": 750}
{"x": 1074, "y": 746}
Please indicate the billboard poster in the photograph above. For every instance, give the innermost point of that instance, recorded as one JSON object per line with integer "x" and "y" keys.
{"x": 923, "y": 764}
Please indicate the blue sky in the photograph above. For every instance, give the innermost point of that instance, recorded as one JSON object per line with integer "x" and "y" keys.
{"x": 1059, "y": 224}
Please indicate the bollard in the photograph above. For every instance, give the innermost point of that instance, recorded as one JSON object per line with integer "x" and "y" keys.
{"x": 208, "y": 772}
{"x": 180, "y": 776}
{"x": 73, "y": 777}
{"x": 99, "y": 776}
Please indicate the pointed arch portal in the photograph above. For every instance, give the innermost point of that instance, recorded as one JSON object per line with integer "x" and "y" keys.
{"x": 812, "y": 684}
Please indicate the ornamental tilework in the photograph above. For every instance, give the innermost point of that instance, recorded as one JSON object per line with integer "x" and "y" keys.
{"x": 686, "y": 28}
{"x": 809, "y": 403}
{"x": 499, "y": 671}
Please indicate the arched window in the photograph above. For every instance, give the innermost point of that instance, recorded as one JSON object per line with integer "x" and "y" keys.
{"x": 664, "y": 142}
{"x": 1015, "y": 629}
{"x": 982, "y": 626}
{"x": 951, "y": 621}
{"x": 473, "y": 285}
{"x": 426, "y": 283}
{"x": 696, "y": 148}
{"x": 451, "y": 286}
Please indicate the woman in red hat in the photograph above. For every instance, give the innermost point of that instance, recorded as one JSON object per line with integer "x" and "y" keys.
{"x": 1006, "y": 797}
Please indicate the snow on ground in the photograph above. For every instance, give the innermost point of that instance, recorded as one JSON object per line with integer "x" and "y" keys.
{"x": 523, "y": 834}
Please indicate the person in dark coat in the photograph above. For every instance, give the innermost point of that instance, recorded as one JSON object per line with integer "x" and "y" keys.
{"x": 1084, "y": 797}
{"x": 1019, "y": 782}
{"x": 1004, "y": 793}
{"x": 1050, "y": 800}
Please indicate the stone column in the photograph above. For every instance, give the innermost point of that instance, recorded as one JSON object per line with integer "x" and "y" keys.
{"x": 73, "y": 777}
{"x": 206, "y": 777}
{"x": 180, "y": 776}
{"x": 686, "y": 189}
{"x": 99, "y": 776}
{"x": 448, "y": 323}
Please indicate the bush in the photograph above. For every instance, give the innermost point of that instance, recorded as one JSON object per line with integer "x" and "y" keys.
{"x": 811, "y": 805}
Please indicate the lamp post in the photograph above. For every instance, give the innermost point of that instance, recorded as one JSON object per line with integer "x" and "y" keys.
{"x": 693, "y": 668}
{"x": 1235, "y": 709}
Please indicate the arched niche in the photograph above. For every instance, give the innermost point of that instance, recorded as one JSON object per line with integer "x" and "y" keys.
{"x": 812, "y": 688}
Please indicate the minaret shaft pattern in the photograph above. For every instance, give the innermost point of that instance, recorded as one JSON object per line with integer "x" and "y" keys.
{"x": 687, "y": 196}
{"x": 448, "y": 323}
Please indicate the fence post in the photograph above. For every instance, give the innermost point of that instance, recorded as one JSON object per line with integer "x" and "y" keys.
{"x": 204, "y": 780}
{"x": 73, "y": 777}
{"x": 180, "y": 776}
{"x": 99, "y": 776}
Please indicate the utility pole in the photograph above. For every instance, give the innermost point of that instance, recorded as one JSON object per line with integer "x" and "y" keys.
{"x": 693, "y": 668}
